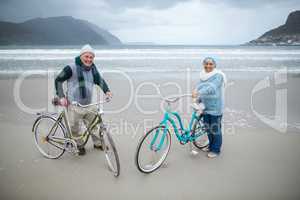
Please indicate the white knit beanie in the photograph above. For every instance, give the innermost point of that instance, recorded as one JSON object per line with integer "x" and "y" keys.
{"x": 87, "y": 48}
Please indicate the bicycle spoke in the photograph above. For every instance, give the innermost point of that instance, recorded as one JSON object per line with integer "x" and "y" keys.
{"x": 199, "y": 135}
{"x": 45, "y": 129}
{"x": 153, "y": 149}
{"x": 111, "y": 154}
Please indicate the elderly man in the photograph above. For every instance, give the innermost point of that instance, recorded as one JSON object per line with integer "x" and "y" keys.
{"x": 81, "y": 75}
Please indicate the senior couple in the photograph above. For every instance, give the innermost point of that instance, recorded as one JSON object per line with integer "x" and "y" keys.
{"x": 82, "y": 75}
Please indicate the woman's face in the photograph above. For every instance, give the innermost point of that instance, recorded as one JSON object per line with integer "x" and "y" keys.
{"x": 208, "y": 66}
{"x": 87, "y": 59}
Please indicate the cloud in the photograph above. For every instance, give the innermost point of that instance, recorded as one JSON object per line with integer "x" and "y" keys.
{"x": 153, "y": 4}
{"x": 253, "y": 3}
{"x": 164, "y": 21}
{"x": 198, "y": 22}
{"x": 18, "y": 10}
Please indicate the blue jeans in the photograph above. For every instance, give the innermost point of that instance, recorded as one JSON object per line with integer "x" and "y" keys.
{"x": 213, "y": 125}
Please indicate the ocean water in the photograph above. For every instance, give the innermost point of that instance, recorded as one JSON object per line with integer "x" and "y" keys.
{"x": 157, "y": 62}
{"x": 151, "y": 59}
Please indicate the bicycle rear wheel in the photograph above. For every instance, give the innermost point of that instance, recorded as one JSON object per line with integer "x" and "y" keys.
{"x": 111, "y": 154}
{"x": 148, "y": 156}
{"x": 49, "y": 137}
{"x": 201, "y": 141}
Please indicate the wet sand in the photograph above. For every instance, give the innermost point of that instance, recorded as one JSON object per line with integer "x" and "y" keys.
{"x": 257, "y": 161}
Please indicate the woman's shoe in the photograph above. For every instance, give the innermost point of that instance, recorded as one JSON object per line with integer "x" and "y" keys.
{"x": 212, "y": 155}
{"x": 194, "y": 152}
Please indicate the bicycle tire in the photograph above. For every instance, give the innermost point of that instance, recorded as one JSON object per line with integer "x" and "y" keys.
{"x": 161, "y": 160}
{"x": 36, "y": 130}
{"x": 109, "y": 146}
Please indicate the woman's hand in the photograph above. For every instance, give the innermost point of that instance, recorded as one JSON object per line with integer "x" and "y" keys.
{"x": 194, "y": 94}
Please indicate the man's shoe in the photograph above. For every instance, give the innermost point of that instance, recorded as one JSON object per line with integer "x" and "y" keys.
{"x": 81, "y": 151}
{"x": 212, "y": 154}
{"x": 99, "y": 147}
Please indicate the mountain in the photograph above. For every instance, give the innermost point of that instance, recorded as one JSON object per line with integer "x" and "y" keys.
{"x": 287, "y": 34}
{"x": 104, "y": 33}
{"x": 55, "y": 31}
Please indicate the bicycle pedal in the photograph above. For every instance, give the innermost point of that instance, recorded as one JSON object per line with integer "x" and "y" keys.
{"x": 71, "y": 146}
{"x": 73, "y": 151}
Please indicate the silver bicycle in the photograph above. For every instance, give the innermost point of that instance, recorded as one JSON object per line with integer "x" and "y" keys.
{"x": 53, "y": 136}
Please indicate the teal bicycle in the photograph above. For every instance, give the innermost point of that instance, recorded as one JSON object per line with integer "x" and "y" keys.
{"x": 154, "y": 146}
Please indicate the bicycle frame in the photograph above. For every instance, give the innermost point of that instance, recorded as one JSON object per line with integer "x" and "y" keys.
{"x": 168, "y": 121}
{"x": 63, "y": 119}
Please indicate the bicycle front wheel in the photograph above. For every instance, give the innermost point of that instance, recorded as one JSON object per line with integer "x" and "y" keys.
{"x": 49, "y": 137}
{"x": 153, "y": 149}
{"x": 111, "y": 154}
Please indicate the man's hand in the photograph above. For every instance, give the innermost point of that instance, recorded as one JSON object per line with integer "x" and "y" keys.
{"x": 64, "y": 102}
{"x": 109, "y": 94}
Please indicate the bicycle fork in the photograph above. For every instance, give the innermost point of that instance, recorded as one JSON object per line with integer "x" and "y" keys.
{"x": 162, "y": 139}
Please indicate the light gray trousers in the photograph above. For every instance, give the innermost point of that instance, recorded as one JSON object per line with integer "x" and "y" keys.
{"x": 80, "y": 119}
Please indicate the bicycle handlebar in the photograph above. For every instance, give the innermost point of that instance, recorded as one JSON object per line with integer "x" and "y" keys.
{"x": 56, "y": 102}
{"x": 174, "y": 98}
{"x": 75, "y": 103}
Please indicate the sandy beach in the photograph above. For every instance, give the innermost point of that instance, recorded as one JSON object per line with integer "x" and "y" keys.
{"x": 257, "y": 161}
{"x": 244, "y": 55}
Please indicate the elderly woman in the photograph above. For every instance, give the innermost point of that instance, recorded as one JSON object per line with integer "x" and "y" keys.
{"x": 210, "y": 90}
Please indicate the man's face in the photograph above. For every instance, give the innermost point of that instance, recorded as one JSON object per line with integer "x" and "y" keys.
{"x": 87, "y": 59}
{"x": 208, "y": 66}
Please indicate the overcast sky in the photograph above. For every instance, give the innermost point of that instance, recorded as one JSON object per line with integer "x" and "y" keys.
{"x": 164, "y": 21}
